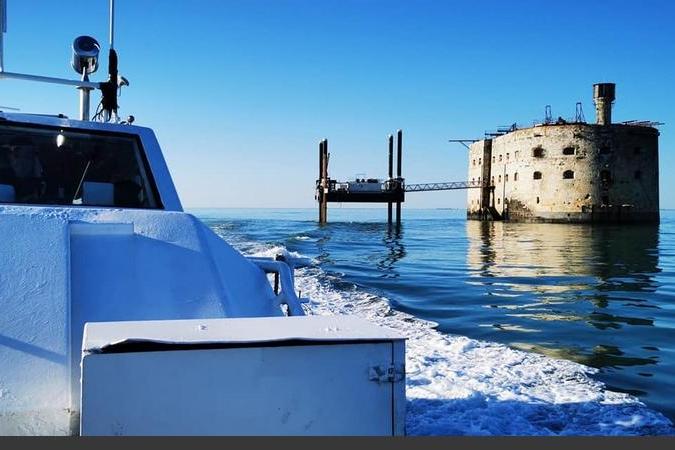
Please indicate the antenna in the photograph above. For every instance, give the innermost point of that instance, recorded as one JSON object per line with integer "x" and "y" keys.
{"x": 3, "y": 30}
{"x": 112, "y": 24}
{"x": 579, "y": 115}
{"x": 109, "y": 88}
{"x": 85, "y": 55}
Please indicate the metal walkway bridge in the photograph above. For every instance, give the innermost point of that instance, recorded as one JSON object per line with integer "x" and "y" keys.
{"x": 449, "y": 186}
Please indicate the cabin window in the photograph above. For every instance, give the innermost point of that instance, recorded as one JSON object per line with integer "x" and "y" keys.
{"x": 507, "y": 156}
{"x": 569, "y": 151}
{"x": 538, "y": 152}
{"x": 537, "y": 176}
{"x": 50, "y": 166}
{"x": 637, "y": 175}
{"x": 605, "y": 176}
{"x": 515, "y": 176}
{"x": 568, "y": 175}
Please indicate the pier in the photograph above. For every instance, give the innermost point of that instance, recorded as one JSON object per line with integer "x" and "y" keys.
{"x": 373, "y": 190}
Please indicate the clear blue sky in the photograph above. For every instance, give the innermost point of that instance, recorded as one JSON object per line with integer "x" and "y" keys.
{"x": 240, "y": 92}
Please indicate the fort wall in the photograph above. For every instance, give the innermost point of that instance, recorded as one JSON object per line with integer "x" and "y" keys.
{"x": 569, "y": 172}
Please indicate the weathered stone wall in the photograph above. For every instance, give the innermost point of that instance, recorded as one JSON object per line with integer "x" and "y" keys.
{"x": 479, "y": 171}
{"x": 571, "y": 172}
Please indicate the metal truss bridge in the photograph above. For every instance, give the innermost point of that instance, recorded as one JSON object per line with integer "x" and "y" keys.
{"x": 449, "y": 186}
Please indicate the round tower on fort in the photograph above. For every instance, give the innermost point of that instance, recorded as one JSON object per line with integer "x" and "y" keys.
{"x": 569, "y": 171}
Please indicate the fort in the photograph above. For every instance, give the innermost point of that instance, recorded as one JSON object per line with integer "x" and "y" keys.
{"x": 568, "y": 170}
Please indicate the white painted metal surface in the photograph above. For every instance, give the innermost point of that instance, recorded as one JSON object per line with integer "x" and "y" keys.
{"x": 67, "y": 265}
{"x": 239, "y": 331}
{"x": 368, "y": 186}
{"x": 263, "y": 376}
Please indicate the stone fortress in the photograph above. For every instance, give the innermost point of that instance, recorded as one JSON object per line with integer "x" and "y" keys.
{"x": 568, "y": 171}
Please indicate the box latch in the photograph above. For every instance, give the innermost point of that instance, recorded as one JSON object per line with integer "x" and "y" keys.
{"x": 387, "y": 374}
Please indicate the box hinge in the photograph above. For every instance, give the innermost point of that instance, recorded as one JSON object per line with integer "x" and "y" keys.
{"x": 387, "y": 374}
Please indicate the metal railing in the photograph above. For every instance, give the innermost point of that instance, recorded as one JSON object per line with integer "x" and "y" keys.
{"x": 448, "y": 186}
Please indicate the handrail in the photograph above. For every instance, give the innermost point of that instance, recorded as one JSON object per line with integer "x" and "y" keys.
{"x": 287, "y": 294}
{"x": 446, "y": 186}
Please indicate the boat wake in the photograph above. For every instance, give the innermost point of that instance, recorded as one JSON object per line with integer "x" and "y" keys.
{"x": 462, "y": 386}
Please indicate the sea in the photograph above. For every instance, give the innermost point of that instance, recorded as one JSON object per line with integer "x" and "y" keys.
{"x": 513, "y": 329}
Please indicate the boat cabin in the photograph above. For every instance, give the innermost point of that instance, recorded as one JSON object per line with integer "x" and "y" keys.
{"x": 50, "y": 161}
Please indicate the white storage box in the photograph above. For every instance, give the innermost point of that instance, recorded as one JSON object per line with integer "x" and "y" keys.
{"x": 312, "y": 375}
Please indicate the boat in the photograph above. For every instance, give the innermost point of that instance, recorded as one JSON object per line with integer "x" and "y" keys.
{"x": 125, "y": 315}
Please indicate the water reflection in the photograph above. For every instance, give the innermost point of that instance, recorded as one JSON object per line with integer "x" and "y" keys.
{"x": 371, "y": 246}
{"x": 568, "y": 280}
{"x": 394, "y": 251}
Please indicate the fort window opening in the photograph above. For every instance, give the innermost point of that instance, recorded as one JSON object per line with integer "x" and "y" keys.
{"x": 494, "y": 159}
{"x": 537, "y": 200}
{"x": 480, "y": 161}
{"x": 638, "y": 175}
{"x": 515, "y": 154}
{"x": 500, "y": 158}
{"x": 499, "y": 179}
{"x": 473, "y": 162}
{"x": 499, "y": 201}
{"x": 507, "y": 156}
{"x": 515, "y": 176}
{"x": 568, "y": 175}
{"x": 537, "y": 176}
{"x": 538, "y": 152}
{"x": 506, "y": 178}
{"x": 605, "y": 176}
{"x": 569, "y": 151}
{"x": 492, "y": 180}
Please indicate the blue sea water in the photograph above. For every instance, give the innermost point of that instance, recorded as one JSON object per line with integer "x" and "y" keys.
{"x": 602, "y": 296}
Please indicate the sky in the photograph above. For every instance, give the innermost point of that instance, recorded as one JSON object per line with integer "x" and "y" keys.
{"x": 239, "y": 93}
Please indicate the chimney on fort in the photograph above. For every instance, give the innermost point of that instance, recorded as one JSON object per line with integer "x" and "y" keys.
{"x": 603, "y": 97}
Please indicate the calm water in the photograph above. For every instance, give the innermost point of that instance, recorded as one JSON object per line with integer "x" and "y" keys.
{"x": 603, "y": 296}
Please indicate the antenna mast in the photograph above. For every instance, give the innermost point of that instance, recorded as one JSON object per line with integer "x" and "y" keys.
{"x": 85, "y": 62}
{"x": 3, "y": 30}
{"x": 112, "y": 24}
{"x": 109, "y": 88}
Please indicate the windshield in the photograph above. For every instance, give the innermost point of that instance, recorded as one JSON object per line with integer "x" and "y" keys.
{"x": 65, "y": 167}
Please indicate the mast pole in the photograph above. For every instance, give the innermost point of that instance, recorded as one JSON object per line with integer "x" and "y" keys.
{"x": 3, "y": 30}
{"x": 112, "y": 24}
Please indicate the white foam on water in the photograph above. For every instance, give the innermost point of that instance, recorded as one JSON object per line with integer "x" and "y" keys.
{"x": 461, "y": 386}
